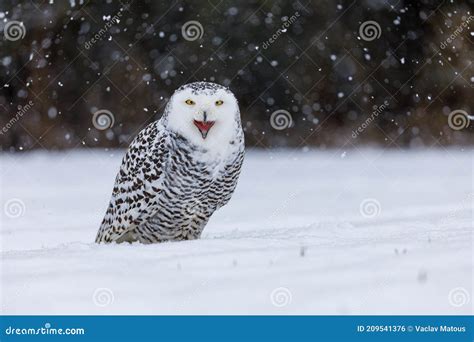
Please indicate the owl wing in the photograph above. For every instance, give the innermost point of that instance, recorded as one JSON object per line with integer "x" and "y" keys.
{"x": 136, "y": 192}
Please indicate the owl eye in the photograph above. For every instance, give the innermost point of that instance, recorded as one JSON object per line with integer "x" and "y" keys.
{"x": 219, "y": 102}
{"x": 190, "y": 102}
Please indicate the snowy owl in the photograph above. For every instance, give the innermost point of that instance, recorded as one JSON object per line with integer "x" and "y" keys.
{"x": 178, "y": 170}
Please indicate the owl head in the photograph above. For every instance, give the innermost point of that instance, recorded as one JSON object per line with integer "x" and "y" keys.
{"x": 205, "y": 113}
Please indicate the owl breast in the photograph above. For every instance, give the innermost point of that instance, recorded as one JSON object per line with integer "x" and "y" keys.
{"x": 192, "y": 188}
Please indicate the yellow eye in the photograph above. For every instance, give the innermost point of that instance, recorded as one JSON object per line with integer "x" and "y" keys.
{"x": 190, "y": 102}
{"x": 219, "y": 102}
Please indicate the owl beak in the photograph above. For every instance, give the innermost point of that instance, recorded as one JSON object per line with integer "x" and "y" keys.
{"x": 204, "y": 127}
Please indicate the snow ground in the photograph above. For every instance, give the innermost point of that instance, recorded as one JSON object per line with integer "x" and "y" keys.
{"x": 291, "y": 241}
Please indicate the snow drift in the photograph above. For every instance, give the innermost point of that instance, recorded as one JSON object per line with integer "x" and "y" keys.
{"x": 356, "y": 232}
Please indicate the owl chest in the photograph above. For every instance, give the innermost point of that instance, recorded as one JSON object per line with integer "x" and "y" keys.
{"x": 189, "y": 177}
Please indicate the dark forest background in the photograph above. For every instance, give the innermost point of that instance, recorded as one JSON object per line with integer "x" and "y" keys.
{"x": 318, "y": 69}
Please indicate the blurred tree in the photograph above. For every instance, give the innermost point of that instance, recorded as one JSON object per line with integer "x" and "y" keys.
{"x": 306, "y": 57}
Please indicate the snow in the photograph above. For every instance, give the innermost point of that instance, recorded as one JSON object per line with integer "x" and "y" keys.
{"x": 291, "y": 241}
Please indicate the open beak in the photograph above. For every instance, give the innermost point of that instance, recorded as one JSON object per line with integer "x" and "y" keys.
{"x": 204, "y": 127}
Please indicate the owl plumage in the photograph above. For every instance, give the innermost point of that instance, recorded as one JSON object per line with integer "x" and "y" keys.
{"x": 179, "y": 170}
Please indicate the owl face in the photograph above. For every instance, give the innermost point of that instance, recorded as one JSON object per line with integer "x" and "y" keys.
{"x": 205, "y": 113}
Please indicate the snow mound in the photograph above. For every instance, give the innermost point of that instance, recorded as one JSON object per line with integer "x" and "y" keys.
{"x": 338, "y": 232}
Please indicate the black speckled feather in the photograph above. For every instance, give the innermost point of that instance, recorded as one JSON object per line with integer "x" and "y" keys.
{"x": 167, "y": 188}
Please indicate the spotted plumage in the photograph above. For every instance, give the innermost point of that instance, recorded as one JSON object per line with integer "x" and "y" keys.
{"x": 178, "y": 170}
